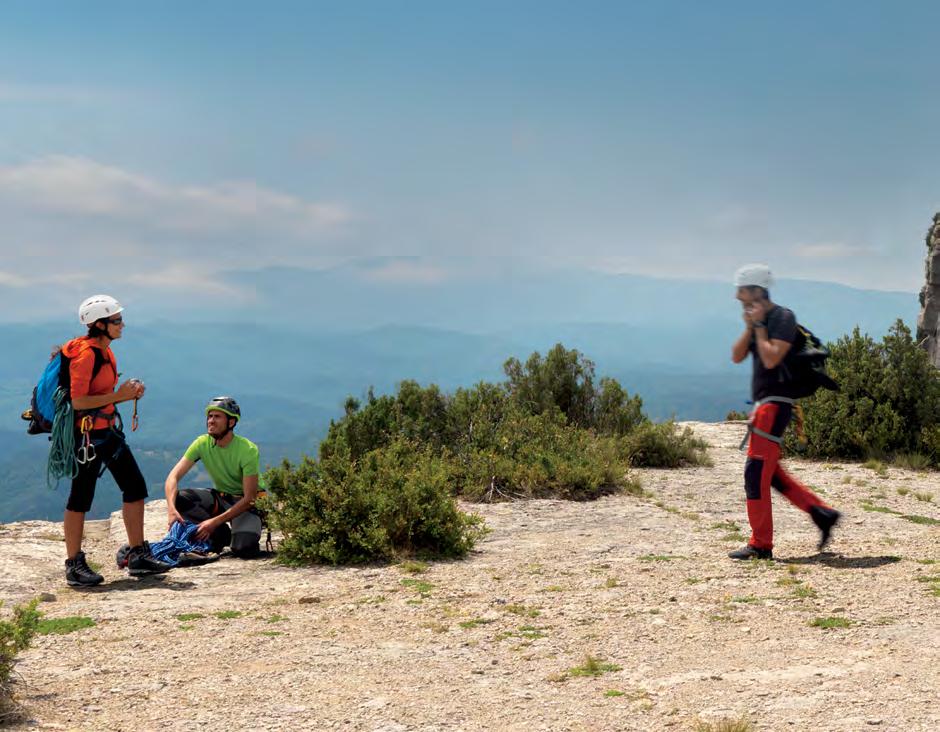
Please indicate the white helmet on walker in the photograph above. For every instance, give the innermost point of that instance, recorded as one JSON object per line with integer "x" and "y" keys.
{"x": 97, "y": 307}
{"x": 753, "y": 275}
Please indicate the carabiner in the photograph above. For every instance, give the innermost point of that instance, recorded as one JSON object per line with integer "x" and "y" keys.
{"x": 135, "y": 422}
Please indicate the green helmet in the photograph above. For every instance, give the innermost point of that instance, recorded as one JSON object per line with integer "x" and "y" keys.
{"x": 224, "y": 404}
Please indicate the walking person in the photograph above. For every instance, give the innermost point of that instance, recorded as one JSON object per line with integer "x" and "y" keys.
{"x": 101, "y": 444}
{"x": 769, "y": 333}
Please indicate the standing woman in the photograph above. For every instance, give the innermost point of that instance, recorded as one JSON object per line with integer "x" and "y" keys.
{"x": 93, "y": 374}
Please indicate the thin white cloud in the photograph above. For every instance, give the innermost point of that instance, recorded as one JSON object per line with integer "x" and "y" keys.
{"x": 85, "y": 188}
{"x": 18, "y": 93}
{"x": 831, "y": 250}
{"x": 185, "y": 279}
{"x": 407, "y": 272}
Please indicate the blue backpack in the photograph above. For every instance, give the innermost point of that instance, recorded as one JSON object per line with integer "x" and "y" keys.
{"x": 42, "y": 405}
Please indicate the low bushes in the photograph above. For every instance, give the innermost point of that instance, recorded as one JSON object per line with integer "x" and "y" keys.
{"x": 15, "y": 637}
{"x": 389, "y": 470}
{"x": 888, "y": 402}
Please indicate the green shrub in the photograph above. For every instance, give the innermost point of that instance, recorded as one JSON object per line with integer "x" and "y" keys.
{"x": 393, "y": 501}
{"x": 564, "y": 380}
{"x": 735, "y": 416}
{"x": 663, "y": 445}
{"x": 15, "y": 637}
{"x": 536, "y": 456}
{"x": 888, "y": 403}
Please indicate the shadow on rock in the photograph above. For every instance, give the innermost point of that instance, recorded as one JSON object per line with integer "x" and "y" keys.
{"x": 838, "y": 561}
{"x": 148, "y": 582}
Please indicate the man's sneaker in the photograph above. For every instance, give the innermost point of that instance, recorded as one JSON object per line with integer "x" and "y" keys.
{"x": 825, "y": 519}
{"x": 751, "y": 552}
{"x": 141, "y": 562}
{"x": 79, "y": 574}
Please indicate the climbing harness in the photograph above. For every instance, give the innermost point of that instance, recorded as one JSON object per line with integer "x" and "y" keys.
{"x": 751, "y": 429}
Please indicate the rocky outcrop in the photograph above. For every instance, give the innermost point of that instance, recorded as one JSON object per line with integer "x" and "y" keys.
{"x": 928, "y": 322}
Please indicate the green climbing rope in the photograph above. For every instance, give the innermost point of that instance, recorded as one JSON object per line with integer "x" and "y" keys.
{"x": 62, "y": 463}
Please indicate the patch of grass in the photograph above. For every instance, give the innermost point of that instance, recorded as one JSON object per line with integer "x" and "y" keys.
{"x": 742, "y": 724}
{"x": 922, "y": 520}
{"x": 847, "y": 480}
{"x": 523, "y": 611}
{"x": 413, "y": 567}
{"x": 693, "y": 580}
{"x": 276, "y": 618}
{"x": 745, "y": 599}
{"x": 436, "y": 627}
{"x": 928, "y": 578}
{"x": 873, "y": 508}
{"x": 903, "y": 491}
{"x": 611, "y": 582}
{"x": 658, "y": 557}
{"x": 422, "y": 587}
{"x": 720, "y": 619}
{"x": 372, "y": 600}
{"x": 64, "y": 626}
{"x": 269, "y": 633}
{"x": 553, "y": 588}
{"x": 54, "y": 537}
{"x": 531, "y": 632}
{"x": 691, "y": 516}
{"x": 926, "y": 561}
{"x": 804, "y": 592}
{"x": 736, "y": 537}
{"x": 228, "y": 614}
{"x": 831, "y": 622}
{"x": 878, "y": 467}
{"x": 593, "y": 667}
{"x": 613, "y": 693}
{"x": 912, "y": 461}
{"x": 788, "y": 581}
{"x": 186, "y": 617}
{"x": 184, "y": 627}
{"x": 475, "y": 623}
{"x": 923, "y": 496}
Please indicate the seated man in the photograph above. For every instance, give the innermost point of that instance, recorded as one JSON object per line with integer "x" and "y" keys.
{"x": 232, "y": 463}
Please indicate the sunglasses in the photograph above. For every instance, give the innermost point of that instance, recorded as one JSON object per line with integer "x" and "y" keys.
{"x": 116, "y": 320}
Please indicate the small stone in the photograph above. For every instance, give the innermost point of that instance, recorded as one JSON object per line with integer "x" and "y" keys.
{"x": 873, "y": 722}
{"x": 47, "y": 597}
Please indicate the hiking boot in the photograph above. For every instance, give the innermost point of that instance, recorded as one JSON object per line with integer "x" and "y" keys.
{"x": 141, "y": 562}
{"x": 751, "y": 552}
{"x": 79, "y": 574}
{"x": 825, "y": 519}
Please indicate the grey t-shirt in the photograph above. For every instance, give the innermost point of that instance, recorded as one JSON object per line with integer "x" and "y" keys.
{"x": 781, "y": 326}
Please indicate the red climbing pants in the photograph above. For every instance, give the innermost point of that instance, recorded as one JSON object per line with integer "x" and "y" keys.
{"x": 763, "y": 471}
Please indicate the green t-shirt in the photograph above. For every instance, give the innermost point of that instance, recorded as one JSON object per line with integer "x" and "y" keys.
{"x": 226, "y": 465}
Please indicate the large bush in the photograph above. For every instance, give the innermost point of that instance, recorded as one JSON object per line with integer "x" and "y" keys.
{"x": 391, "y": 501}
{"x": 888, "y": 402}
{"x": 388, "y": 471}
{"x": 15, "y": 637}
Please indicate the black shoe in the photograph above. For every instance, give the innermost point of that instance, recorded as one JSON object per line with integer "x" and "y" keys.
{"x": 825, "y": 519}
{"x": 79, "y": 574}
{"x": 751, "y": 552}
{"x": 140, "y": 562}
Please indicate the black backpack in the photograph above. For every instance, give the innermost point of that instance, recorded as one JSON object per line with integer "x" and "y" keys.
{"x": 804, "y": 366}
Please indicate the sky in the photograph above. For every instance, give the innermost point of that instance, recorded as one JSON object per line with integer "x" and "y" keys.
{"x": 156, "y": 147}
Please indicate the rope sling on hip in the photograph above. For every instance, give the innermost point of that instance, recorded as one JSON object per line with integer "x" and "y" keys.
{"x": 751, "y": 429}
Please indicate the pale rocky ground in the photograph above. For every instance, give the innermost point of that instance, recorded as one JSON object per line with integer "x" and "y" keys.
{"x": 640, "y": 582}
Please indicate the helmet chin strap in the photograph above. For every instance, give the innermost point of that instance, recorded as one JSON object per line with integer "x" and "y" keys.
{"x": 227, "y": 430}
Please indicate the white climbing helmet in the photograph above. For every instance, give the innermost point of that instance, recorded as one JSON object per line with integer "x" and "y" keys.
{"x": 753, "y": 275}
{"x": 97, "y": 307}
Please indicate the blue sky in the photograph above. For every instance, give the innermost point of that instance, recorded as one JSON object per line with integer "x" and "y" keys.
{"x": 158, "y": 146}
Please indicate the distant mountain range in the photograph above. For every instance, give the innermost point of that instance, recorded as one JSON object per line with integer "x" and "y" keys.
{"x": 309, "y": 339}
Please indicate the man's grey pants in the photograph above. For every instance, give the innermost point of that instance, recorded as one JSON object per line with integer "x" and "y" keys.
{"x": 199, "y": 504}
